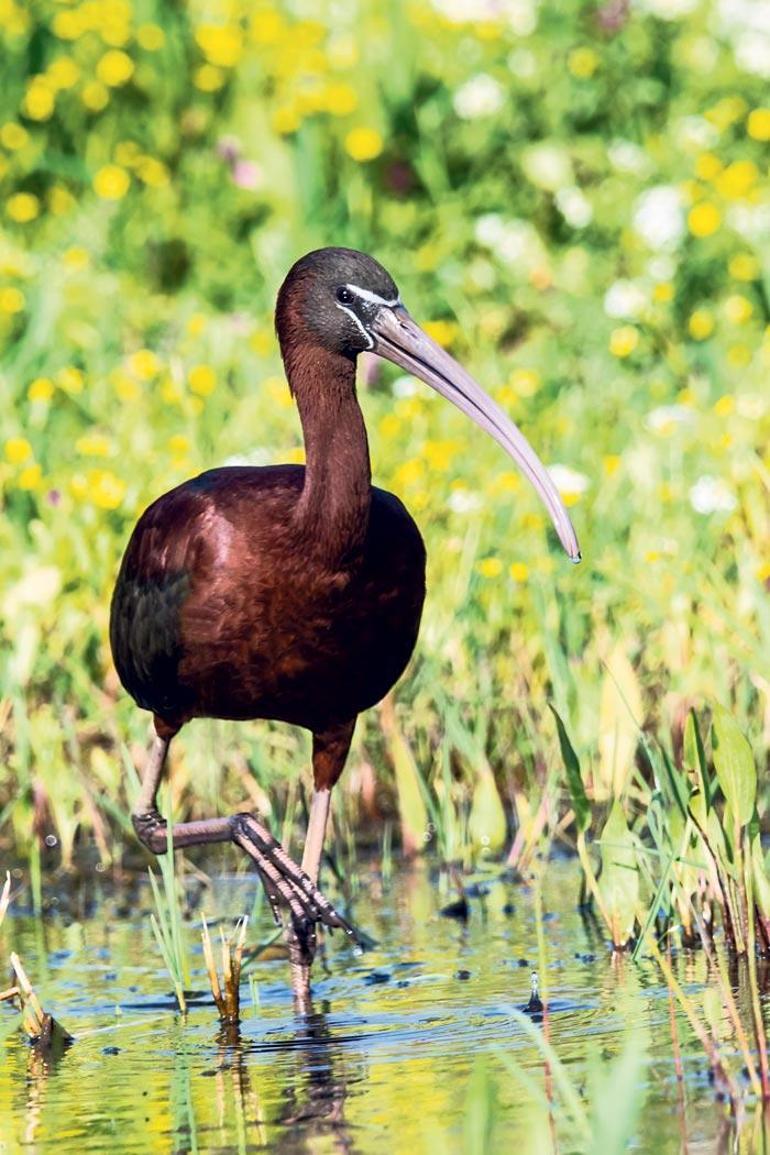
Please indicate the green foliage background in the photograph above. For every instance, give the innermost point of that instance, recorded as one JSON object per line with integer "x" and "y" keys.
{"x": 574, "y": 197}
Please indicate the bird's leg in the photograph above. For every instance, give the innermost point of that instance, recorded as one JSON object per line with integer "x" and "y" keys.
{"x": 284, "y": 881}
{"x": 330, "y": 749}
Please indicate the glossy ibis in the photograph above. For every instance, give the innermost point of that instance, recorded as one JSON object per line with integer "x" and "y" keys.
{"x": 289, "y": 592}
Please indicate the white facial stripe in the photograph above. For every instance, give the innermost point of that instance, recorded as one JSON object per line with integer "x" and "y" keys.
{"x": 350, "y": 313}
{"x": 373, "y": 298}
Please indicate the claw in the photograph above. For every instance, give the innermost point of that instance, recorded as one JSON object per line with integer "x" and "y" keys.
{"x": 287, "y": 883}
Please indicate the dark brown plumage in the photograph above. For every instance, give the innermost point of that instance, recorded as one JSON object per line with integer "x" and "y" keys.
{"x": 286, "y": 592}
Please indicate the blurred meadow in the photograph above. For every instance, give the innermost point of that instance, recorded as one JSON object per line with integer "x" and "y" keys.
{"x": 574, "y": 199}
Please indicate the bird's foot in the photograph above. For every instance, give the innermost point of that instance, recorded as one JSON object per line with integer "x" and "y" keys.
{"x": 151, "y": 830}
{"x": 287, "y": 884}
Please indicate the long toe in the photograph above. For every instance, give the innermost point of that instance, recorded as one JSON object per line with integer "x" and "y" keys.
{"x": 284, "y": 880}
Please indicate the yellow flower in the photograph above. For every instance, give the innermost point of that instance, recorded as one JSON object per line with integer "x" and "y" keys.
{"x": 704, "y": 219}
{"x": 125, "y": 387}
{"x": 409, "y": 473}
{"x": 12, "y": 300}
{"x": 222, "y": 46}
{"x": 38, "y": 103}
{"x": 153, "y": 172}
{"x": 707, "y": 166}
{"x": 525, "y": 382}
{"x": 179, "y": 445}
{"x": 364, "y": 143}
{"x": 739, "y": 356}
{"x": 738, "y": 309}
{"x": 725, "y": 405}
{"x": 63, "y": 72}
{"x": 737, "y": 179}
{"x": 76, "y": 257}
{"x": 490, "y": 567}
{"x": 700, "y": 324}
{"x": 41, "y": 389}
{"x": 758, "y": 124}
{"x": 726, "y": 111}
{"x": 744, "y": 267}
{"x": 266, "y": 26}
{"x": 340, "y": 99}
{"x": 150, "y": 37}
{"x": 440, "y": 454}
{"x": 22, "y": 207}
{"x": 196, "y": 324}
{"x": 30, "y": 477}
{"x": 115, "y": 68}
{"x": 624, "y": 340}
{"x": 111, "y": 182}
{"x": 71, "y": 380}
{"x": 663, "y": 292}
{"x": 390, "y": 426}
{"x": 94, "y": 445}
{"x": 519, "y": 571}
{"x": 95, "y": 96}
{"x": 286, "y": 119}
{"x": 105, "y": 489}
{"x": 208, "y": 78}
{"x": 126, "y": 153}
{"x": 13, "y": 136}
{"x": 17, "y": 450}
{"x": 442, "y": 332}
{"x": 144, "y": 364}
{"x": 68, "y": 25}
{"x": 60, "y": 200}
{"x": 763, "y": 573}
{"x": 582, "y": 62}
{"x": 202, "y": 380}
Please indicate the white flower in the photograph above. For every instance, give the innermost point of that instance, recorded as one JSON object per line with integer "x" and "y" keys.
{"x": 259, "y": 455}
{"x": 480, "y": 96}
{"x": 574, "y": 207}
{"x": 751, "y": 221}
{"x": 666, "y": 418}
{"x": 658, "y": 217}
{"x": 624, "y": 299}
{"x": 568, "y": 481}
{"x": 667, "y": 9}
{"x": 752, "y": 53}
{"x": 405, "y": 386}
{"x": 515, "y": 242}
{"x": 695, "y": 133}
{"x": 751, "y": 405}
{"x": 626, "y": 156}
{"x": 548, "y": 166}
{"x": 661, "y": 268}
{"x": 712, "y": 495}
{"x": 521, "y": 15}
{"x": 464, "y": 501}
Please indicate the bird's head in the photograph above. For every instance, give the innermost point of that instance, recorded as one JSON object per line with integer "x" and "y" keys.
{"x": 347, "y": 303}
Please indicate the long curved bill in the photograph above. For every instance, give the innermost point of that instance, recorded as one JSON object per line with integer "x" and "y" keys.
{"x": 400, "y": 340}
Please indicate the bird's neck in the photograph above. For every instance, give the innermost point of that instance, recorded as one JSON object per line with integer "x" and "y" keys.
{"x": 333, "y": 509}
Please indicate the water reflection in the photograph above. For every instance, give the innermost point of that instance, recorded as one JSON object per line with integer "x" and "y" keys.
{"x": 385, "y": 1058}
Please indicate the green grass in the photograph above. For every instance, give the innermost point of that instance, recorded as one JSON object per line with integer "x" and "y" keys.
{"x": 139, "y": 260}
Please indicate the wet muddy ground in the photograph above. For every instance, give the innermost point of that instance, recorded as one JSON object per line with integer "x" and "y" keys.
{"x": 406, "y": 1044}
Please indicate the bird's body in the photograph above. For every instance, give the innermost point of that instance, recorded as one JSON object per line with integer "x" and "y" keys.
{"x": 223, "y": 609}
{"x": 292, "y": 593}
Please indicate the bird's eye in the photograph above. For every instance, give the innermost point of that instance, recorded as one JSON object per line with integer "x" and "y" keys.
{"x": 344, "y": 296}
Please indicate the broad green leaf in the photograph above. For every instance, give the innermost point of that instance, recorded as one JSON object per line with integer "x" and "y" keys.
{"x": 577, "y": 792}
{"x": 487, "y": 826}
{"x": 619, "y": 880}
{"x": 411, "y": 804}
{"x": 620, "y": 713}
{"x": 734, "y": 764}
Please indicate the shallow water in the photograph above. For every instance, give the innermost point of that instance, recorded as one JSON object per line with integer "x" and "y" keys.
{"x": 401, "y": 1041}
